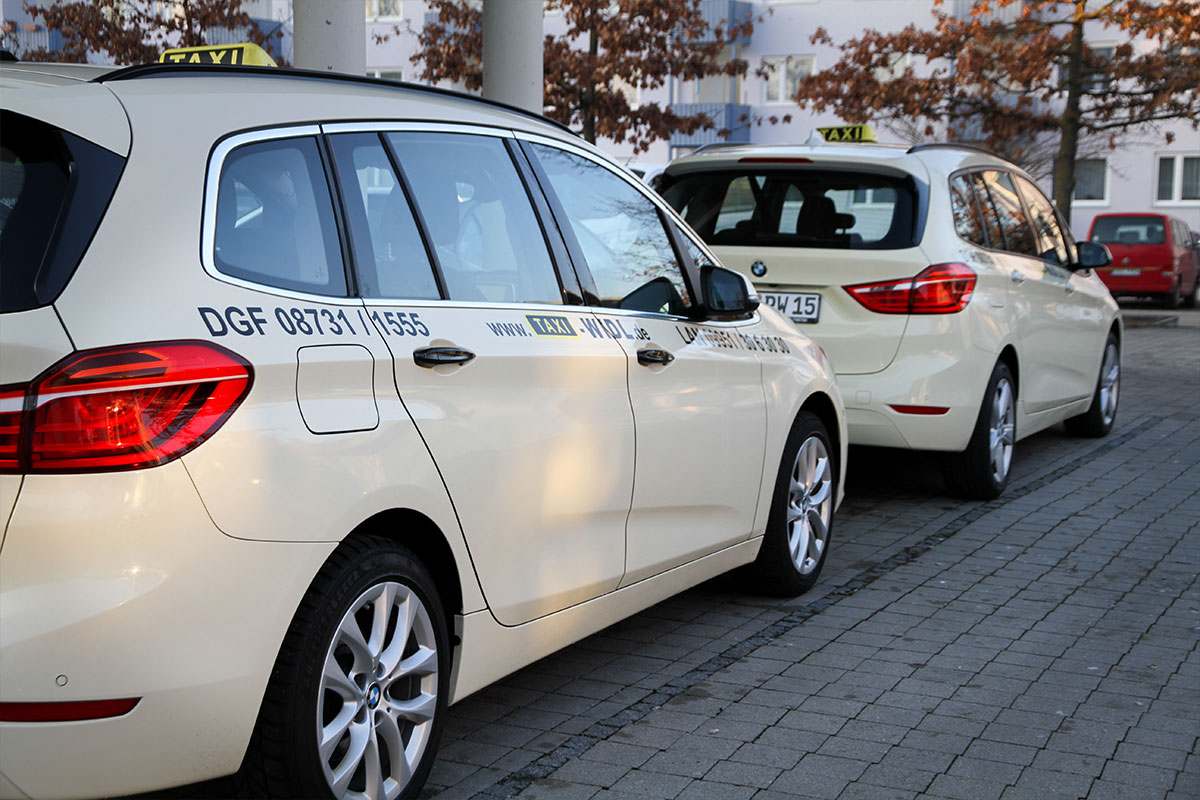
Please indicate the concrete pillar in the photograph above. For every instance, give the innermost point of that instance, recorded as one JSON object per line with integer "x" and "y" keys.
{"x": 512, "y": 52}
{"x": 330, "y": 35}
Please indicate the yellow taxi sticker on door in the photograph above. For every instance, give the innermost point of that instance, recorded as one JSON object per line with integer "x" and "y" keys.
{"x": 223, "y": 54}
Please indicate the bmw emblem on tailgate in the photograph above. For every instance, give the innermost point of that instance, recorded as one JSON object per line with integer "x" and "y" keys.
{"x": 758, "y": 268}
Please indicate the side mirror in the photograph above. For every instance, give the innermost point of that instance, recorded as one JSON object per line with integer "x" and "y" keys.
{"x": 726, "y": 293}
{"x": 1092, "y": 255}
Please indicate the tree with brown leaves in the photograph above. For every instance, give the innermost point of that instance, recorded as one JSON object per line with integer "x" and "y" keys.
{"x": 1013, "y": 73}
{"x": 125, "y": 32}
{"x": 608, "y": 48}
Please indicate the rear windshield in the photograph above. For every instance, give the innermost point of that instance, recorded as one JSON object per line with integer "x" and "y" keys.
{"x": 54, "y": 188}
{"x": 801, "y": 208}
{"x": 1129, "y": 230}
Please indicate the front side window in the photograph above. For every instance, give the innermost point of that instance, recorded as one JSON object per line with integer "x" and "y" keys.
{"x": 1018, "y": 234}
{"x": 783, "y": 76}
{"x": 1052, "y": 244}
{"x": 484, "y": 233}
{"x": 275, "y": 221}
{"x": 804, "y": 208}
{"x": 620, "y": 234}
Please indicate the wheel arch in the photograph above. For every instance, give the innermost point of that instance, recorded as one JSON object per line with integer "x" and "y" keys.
{"x": 1009, "y": 356}
{"x": 821, "y": 405}
{"x": 422, "y": 536}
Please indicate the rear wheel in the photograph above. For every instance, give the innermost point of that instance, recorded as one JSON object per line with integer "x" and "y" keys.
{"x": 1193, "y": 298}
{"x": 1098, "y": 419}
{"x": 796, "y": 542}
{"x": 981, "y": 471}
{"x": 1172, "y": 298}
{"x": 356, "y": 701}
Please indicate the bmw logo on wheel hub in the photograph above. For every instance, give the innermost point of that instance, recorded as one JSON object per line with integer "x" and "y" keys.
{"x": 373, "y": 695}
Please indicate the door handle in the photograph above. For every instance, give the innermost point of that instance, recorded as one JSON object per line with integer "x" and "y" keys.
{"x": 1017, "y": 277}
{"x": 441, "y": 356}
{"x": 652, "y": 355}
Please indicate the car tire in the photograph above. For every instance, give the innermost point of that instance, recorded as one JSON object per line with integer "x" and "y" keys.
{"x": 1172, "y": 298}
{"x": 800, "y": 522}
{"x": 1098, "y": 420}
{"x": 356, "y": 702}
{"x": 981, "y": 471}
{"x": 1193, "y": 297}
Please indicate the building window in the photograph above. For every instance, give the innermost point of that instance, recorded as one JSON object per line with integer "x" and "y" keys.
{"x": 1091, "y": 179}
{"x": 1179, "y": 178}
{"x": 897, "y": 64}
{"x": 784, "y": 74}
{"x": 1099, "y": 81}
{"x": 384, "y": 9}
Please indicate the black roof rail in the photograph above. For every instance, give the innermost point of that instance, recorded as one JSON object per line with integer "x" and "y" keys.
{"x": 974, "y": 148}
{"x": 717, "y": 146}
{"x": 178, "y": 70}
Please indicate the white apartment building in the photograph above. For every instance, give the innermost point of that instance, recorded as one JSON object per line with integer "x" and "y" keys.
{"x": 1143, "y": 173}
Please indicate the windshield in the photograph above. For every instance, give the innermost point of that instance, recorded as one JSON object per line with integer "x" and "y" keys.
{"x": 801, "y": 208}
{"x": 1129, "y": 230}
{"x": 54, "y": 188}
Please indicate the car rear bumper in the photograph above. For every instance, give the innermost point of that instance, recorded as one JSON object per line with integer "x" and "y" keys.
{"x": 929, "y": 397}
{"x": 1149, "y": 280}
{"x": 119, "y": 586}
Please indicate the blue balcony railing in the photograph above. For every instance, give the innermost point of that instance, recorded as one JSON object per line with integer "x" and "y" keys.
{"x": 726, "y": 13}
{"x": 730, "y": 117}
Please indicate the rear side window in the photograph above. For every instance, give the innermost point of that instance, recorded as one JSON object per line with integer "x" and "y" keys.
{"x": 1131, "y": 229}
{"x": 801, "y": 208}
{"x": 54, "y": 188}
{"x": 968, "y": 222}
{"x": 483, "y": 231}
{"x": 1018, "y": 234}
{"x": 275, "y": 221}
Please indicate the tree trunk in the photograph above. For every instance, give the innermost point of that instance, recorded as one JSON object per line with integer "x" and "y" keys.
{"x": 587, "y": 104}
{"x": 1068, "y": 146}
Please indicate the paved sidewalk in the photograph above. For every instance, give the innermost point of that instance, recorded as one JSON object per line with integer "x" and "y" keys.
{"x": 1046, "y": 644}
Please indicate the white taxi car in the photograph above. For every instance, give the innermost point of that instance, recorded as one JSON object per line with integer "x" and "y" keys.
{"x": 325, "y": 402}
{"x": 958, "y": 313}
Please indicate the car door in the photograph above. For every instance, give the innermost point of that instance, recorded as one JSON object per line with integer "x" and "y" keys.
{"x": 1074, "y": 307}
{"x": 526, "y": 415}
{"x": 697, "y": 397}
{"x": 1037, "y": 298}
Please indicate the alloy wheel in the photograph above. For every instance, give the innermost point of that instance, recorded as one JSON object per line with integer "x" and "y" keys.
{"x": 810, "y": 505}
{"x": 378, "y": 695}
{"x": 1110, "y": 383}
{"x": 1002, "y": 429}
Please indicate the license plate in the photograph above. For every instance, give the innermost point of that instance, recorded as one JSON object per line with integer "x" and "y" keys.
{"x": 800, "y": 307}
{"x": 1123, "y": 272}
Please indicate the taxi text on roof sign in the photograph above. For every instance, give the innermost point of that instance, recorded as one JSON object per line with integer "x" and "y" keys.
{"x": 223, "y": 54}
{"x": 849, "y": 133}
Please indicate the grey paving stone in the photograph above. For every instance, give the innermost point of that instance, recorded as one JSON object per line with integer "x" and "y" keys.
{"x": 898, "y": 777}
{"x": 711, "y": 790}
{"x": 957, "y": 787}
{"x": 592, "y": 773}
{"x": 638, "y": 783}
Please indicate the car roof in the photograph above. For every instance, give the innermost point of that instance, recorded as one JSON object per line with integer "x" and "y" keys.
{"x": 917, "y": 159}
{"x": 35, "y": 73}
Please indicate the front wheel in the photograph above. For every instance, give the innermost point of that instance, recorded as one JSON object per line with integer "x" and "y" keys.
{"x": 1173, "y": 298}
{"x": 1098, "y": 420}
{"x": 355, "y": 704}
{"x": 981, "y": 471}
{"x": 796, "y": 542}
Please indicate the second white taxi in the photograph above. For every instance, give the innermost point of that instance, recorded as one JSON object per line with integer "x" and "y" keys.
{"x": 958, "y": 313}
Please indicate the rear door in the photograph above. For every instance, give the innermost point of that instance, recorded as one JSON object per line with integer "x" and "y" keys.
{"x": 802, "y": 234}
{"x": 697, "y": 396}
{"x": 527, "y": 416}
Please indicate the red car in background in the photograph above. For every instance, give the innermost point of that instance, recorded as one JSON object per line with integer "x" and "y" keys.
{"x": 1153, "y": 255}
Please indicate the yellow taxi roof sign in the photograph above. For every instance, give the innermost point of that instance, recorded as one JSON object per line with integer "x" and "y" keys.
{"x": 849, "y": 133}
{"x": 245, "y": 53}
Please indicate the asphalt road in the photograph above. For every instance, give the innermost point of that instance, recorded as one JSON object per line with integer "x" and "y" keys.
{"x": 1046, "y": 644}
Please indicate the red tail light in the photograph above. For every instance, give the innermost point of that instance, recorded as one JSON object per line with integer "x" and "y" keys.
{"x": 939, "y": 289}
{"x": 120, "y": 408}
